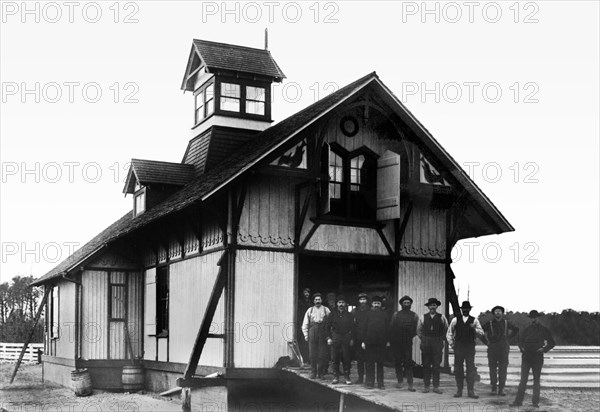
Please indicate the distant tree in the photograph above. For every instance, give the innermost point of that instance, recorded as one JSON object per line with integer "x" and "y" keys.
{"x": 18, "y": 305}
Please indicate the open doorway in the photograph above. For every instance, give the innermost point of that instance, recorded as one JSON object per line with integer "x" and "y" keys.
{"x": 349, "y": 277}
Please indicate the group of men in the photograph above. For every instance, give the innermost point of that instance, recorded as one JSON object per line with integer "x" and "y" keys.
{"x": 335, "y": 333}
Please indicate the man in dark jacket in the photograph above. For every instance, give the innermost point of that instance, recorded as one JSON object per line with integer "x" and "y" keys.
{"x": 375, "y": 339}
{"x": 403, "y": 328}
{"x": 498, "y": 331}
{"x": 360, "y": 317}
{"x": 463, "y": 331}
{"x": 431, "y": 329}
{"x": 534, "y": 341}
{"x": 340, "y": 332}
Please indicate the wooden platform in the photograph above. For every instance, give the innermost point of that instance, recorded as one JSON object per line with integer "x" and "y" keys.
{"x": 395, "y": 399}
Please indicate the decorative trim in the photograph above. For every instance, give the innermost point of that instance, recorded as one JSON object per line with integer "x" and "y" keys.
{"x": 344, "y": 126}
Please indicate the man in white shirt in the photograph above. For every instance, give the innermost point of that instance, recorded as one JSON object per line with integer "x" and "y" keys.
{"x": 461, "y": 336}
{"x": 313, "y": 328}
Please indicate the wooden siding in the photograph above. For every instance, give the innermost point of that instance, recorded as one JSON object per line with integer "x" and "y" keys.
{"x": 347, "y": 239}
{"x": 268, "y": 216}
{"x": 421, "y": 281}
{"x": 135, "y": 312}
{"x": 212, "y": 235}
{"x": 149, "y": 314}
{"x": 197, "y": 151}
{"x": 65, "y": 344}
{"x": 94, "y": 314}
{"x": 425, "y": 234}
{"x": 191, "y": 282}
{"x": 264, "y": 309}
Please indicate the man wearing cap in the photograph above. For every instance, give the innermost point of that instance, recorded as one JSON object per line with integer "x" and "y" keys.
{"x": 340, "y": 333}
{"x": 313, "y": 328}
{"x": 360, "y": 316}
{"x": 461, "y": 336}
{"x": 375, "y": 333}
{"x": 303, "y": 304}
{"x": 534, "y": 341}
{"x": 403, "y": 328}
{"x": 431, "y": 329}
{"x": 498, "y": 331}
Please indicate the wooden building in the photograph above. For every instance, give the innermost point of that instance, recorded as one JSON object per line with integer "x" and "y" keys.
{"x": 350, "y": 194}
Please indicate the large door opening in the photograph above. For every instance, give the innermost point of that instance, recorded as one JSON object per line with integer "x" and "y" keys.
{"x": 349, "y": 277}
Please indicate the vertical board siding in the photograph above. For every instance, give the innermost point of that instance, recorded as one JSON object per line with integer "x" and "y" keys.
{"x": 134, "y": 311}
{"x": 117, "y": 340}
{"x": 421, "y": 281}
{"x": 94, "y": 314}
{"x": 348, "y": 239}
{"x": 190, "y": 283}
{"x": 264, "y": 309}
{"x": 268, "y": 215}
{"x": 65, "y": 344}
{"x": 149, "y": 314}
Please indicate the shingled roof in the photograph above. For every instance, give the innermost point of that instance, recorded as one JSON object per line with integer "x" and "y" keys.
{"x": 148, "y": 172}
{"x": 257, "y": 148}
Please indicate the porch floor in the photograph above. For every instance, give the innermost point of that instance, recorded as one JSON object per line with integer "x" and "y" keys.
{"x": 402, "y": 400}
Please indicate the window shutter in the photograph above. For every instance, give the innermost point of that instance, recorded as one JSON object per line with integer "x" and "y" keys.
{"x": 55, "y": 311}
{"x": 324, "y": 199}
{"x": 150, "y": 303}
{"x": 388, "y": 186}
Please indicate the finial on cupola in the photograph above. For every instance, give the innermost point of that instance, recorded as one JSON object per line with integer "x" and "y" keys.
{"x": 266, "y": 39}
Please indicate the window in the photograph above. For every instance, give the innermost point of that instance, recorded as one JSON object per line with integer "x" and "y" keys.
{"x": 54, "y": 310}
{"x": 162, "y": 301}
{"x": 139, "y": 202}
{"x": 117, "y": 296}
{"x": 255, "y": 100}
{"x": 352, "y": 180}
{"x": 205, "y": 103}
{"x": 230, "y": 97}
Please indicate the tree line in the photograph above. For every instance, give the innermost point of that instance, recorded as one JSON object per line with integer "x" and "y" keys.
{"x": 18, "y": 304}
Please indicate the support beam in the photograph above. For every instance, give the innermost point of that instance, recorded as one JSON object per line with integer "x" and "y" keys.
{"x": 47, "y": 289}
{"x": 200, "y": 382}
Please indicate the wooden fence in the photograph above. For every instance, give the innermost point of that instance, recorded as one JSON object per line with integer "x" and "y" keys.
{"x": 11, "y": 351}
{"x": 564, "y": 367}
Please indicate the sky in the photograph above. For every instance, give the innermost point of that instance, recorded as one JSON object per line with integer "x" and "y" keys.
{"x": 510, "y": 90}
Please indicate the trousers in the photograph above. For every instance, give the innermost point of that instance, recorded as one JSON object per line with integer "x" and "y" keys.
{"x": 533, "y": 361}
{"x": 341, "y": 353}
{"x": 375, "y": 354}
{"x": 498, "y": 362}
{"x": 317, "y": 348}
{"x": 360, "y": 355}
{"x": 464, "y": 354}
{"x": 431, "y": 352}
{"x": 403, "y": 361}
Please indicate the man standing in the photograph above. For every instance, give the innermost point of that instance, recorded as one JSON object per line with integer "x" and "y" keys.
{"x": 403, "y": 328}
{"x": 375, "y": 335}
{"x": 498, "y": 331}
{"x": 431, "y": 329}
{"x": 303, "y": 305}
{"x": 360, "y": 318}
{"x": 340, "y": 332}
{"x": 313, "y": 328}
{"x": 534, "y": 341}
{"x": 461, "y": 336}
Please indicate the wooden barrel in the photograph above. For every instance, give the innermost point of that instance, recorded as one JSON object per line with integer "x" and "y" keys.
{"x": 133, "y": 378}
{"x": 82, "y": 383}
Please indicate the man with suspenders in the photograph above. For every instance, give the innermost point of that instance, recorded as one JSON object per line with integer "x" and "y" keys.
{"x": 498, "y": 332}
{"x": 313, "y": 328}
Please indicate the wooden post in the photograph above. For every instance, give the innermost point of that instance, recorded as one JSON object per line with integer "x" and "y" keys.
{"x": 341, "y": 408}
{"x": 26, "y": 344}
{"x": 186, "y": 399}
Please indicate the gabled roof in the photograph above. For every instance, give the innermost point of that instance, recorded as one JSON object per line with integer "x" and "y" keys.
{"x": 263, "y": 144}
{"x": 148, "y": 172}
{"x": 234, "y": 58}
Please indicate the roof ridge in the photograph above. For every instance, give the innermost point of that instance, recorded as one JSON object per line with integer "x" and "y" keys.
{"x": 161, "y": 161}
{"x": 216, "y": 43}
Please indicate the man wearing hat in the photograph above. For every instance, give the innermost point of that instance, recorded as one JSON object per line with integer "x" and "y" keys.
{"x": 403, "y": 328}
{"x": 375, "y": 333}
{"x": 431, "y": 329}
{"x": 461, "y": 336}
{"x": 534, "y": 341}
{"x": 340, "y": 334}
{"x": 360, "y": 316}
{"x": 498, "y": 331}
{"x": 304, "y": 303}
{"x": 313, "y": 328}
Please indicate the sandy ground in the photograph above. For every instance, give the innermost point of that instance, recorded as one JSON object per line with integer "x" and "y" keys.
{"x": 28, "y": 393}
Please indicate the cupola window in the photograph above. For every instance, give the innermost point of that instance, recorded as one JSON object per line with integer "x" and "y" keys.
{"x": 230, "y": 97}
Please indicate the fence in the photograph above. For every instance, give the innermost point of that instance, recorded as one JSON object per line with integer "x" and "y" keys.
{"x": 11, "y": 351}
{"x": 564, "y": 367}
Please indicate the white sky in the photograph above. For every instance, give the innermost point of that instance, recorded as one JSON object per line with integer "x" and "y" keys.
{"x": 552, "y": 140}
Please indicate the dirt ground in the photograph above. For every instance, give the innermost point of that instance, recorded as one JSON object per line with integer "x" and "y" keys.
{"x": 28, "y": 393}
